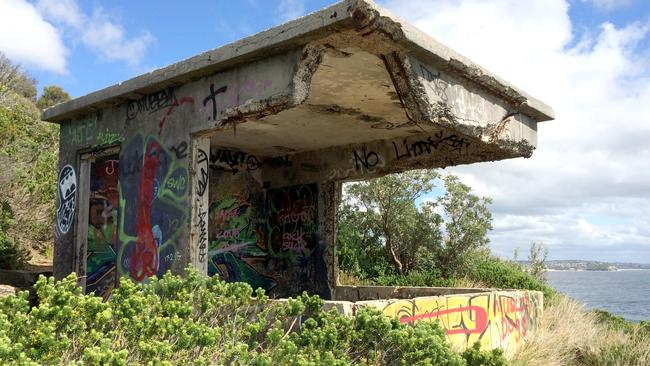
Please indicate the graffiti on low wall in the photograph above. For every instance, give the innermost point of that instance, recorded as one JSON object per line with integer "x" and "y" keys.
{"x": 495, "y": 319}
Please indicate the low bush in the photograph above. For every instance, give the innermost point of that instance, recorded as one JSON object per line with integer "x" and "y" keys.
{"x": 205, "y": 321}
{"x": 12, "y": 254}
{"x": 494, "y": 272}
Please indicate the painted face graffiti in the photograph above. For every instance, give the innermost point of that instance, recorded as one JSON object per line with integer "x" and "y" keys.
{"x": 67, "y": 199}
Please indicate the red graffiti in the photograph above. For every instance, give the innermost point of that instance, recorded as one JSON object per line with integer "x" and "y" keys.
{"x": 516, "y": 326}
{"x": 479, "y": 314}
{"x": 170, "y": 109}
{"x": 144, "y": 260}
{"x": 294, "y": 241}
{"x": 224, "y": 215}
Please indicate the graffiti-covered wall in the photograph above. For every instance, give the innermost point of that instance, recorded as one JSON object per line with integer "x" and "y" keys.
{"x": 500, "y": 319}
{"x": 266, "y": 237}
{"x": 126, "y": 190}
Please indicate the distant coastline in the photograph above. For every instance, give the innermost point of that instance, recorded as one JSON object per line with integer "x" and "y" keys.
{"x": 574, "y": 265}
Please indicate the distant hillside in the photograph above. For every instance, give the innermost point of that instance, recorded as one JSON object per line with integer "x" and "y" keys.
{"x": 584, "y": 265}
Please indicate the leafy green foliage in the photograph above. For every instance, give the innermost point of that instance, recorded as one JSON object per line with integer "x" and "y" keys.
{"x": 386, "y": 236}
{"x": 15, "y": 80}
{"x": 52, "y": 95}
{"x": 537, "y": 259}
{"x": 12, "y": 254}
{"x": 474, "y": 356}
{"x": 383, "y": 213}
{"x": 205, "y": 321}
{"x": 29, "y": 157}
{"x": 493, "y": 272}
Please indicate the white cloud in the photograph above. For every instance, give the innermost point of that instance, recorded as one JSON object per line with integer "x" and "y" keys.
{"x": 96, "y": 31}
{"x": 586, "y": 188}
{"x": 63, "y": 11}
{"x": 109, "y": 40}
{"x": 25, "y": 37}
{"x": 289, "y": 10}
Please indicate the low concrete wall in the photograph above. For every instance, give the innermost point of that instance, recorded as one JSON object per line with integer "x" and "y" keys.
{"x": 495, "y": 318}
{"x": 362, "y": 293}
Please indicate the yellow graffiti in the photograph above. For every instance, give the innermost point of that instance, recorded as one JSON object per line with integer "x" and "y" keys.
{"x": 495, "y": 319}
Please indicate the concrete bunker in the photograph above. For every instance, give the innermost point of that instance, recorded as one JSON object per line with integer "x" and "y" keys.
{"x": 232, "y": 160}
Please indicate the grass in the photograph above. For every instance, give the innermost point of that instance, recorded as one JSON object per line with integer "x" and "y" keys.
{"x": 569, "y": 335}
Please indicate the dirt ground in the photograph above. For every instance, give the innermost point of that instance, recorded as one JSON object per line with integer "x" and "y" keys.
{"x": 6, "y": 290}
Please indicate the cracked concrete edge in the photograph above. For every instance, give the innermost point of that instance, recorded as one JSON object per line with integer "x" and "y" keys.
{"x": 290, "y": 35}
{"x": 363, "y": 15}
{"x": 419, "y": 109}
{"x": 426, "y": 47}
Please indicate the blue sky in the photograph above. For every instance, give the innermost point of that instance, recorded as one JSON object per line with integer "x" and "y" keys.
{"x": 181, "y": 31}
{"x": 586, "y": 191}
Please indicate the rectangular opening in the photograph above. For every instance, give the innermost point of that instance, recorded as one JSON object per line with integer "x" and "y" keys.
{"x": 99, "y": 220}
{"x": 267, "y": 236}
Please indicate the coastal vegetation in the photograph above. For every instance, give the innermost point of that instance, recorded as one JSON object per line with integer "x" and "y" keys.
{"x": 391, "y": 232}
{"x": 28, "y": 156}
{"x": 200, "y": 320}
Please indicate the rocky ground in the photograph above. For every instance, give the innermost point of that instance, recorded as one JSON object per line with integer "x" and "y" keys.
{"x": 6, "y": 290}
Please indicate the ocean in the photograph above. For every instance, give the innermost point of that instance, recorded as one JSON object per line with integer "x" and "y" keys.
{"x": 624, "y": 292}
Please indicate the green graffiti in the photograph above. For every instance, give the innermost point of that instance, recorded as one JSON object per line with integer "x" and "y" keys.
{"x": 153, "y": 207}
{"x": 107, "y": 138}
{"x": 80, "y": 132}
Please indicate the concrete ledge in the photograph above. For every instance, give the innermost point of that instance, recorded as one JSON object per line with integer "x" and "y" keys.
{"x": 20, "y": 278}
{"x": 362, "y": 16}
{"x": 362, "y": 293}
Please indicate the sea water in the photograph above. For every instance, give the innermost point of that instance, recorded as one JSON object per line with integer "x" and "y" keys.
{"x": 624, "y": 292}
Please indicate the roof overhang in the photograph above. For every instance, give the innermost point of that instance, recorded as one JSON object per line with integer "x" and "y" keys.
{"x": 346, "y": 75}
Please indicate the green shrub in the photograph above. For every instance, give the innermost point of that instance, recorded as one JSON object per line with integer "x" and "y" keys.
{"x": 474, "y": 356}
{"x": 12, "y": 254}
{"x": 611, "y": 321}
{"x": 205, "y": 321}
{"x": 429, "y": 278}
{"x": 496, "y": 273}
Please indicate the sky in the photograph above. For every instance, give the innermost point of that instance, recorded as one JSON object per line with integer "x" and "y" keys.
{"x": 585, "y": 193}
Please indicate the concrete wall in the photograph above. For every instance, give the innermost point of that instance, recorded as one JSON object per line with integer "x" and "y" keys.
{"x": 146, "y": 145}
{"x": 232, "y": 160}
{"x": 495, "y": 319}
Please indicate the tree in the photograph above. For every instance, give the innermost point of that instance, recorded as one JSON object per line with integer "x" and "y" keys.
{"x": 52, "y": 95}
{"x": 537, "y": 257}
{"x": 13, "y": 79}
{"x": 467, "y": 222}
{"x": 380, "y": 225}
{"x": 390, "y": 215}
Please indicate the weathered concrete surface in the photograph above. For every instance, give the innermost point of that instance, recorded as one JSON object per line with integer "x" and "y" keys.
{"x": 363, "y": 293}
{"x": 495, "y": 318}
{"x": 20, "y": 278}
{"x": 232, "y": 160}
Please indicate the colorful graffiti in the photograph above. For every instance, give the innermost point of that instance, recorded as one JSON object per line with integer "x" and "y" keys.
{"x": 67, "y": 198}
{"x": 102, "y": 226}
{"x": 292, "y": 220}
{"x": 153, "y": 207}
{"x": 264, "y": 237}
{"x": 495, "y": 319}
{"x": 235, "y": 217}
